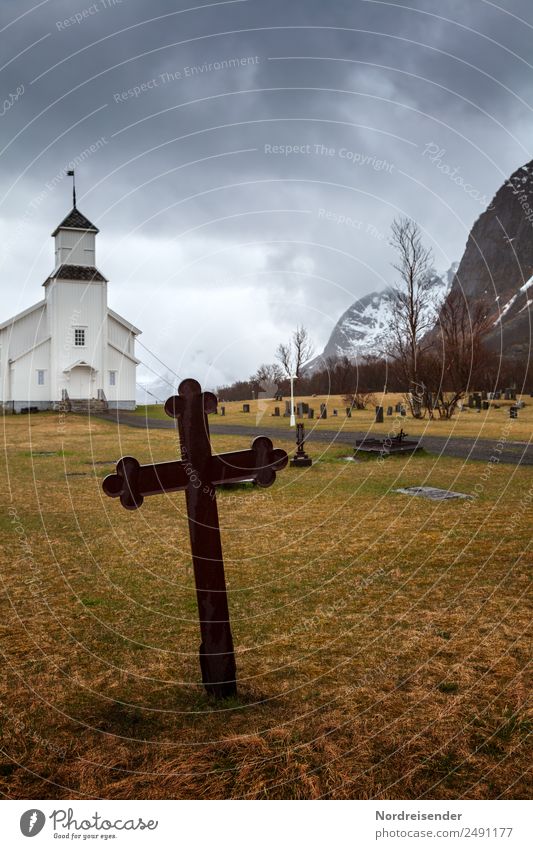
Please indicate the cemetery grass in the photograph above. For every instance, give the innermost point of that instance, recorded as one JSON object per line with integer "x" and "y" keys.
{"x": 486, "y": 424}
{"x": 381, "y": 640}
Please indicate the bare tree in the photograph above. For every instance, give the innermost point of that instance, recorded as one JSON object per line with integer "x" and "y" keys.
{"x": 295, "y": 353}
{"x": 459, "y": 350}
{"x": 414, "y": 310}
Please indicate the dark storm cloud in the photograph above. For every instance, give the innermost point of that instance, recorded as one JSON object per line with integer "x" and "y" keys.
{"x": 256, "y": 147}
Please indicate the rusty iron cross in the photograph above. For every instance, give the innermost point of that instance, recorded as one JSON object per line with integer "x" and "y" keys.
{"x": 199, "y": 472}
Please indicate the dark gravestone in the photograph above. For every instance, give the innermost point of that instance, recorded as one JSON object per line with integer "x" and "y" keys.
{"x": 299, "y": 410}
{"x": 287, "y": 409}
{"x": 471, "y": 401}
{"x": 305, "y": 408}
{"x": 311, "y": 413}
{"x": 485, "y": 405}
{"x": 222, "y": 411}
{"x": 513, "y": 412}
{"x": 335, "y": 413}
{"x": 276, "y": 411}
{"x": 300, "y": 458}
{"x": 348, "y": 412}
{"x": 246, "y": 408}
{"x": 379, "y": 415}
{"x": 323, "y": 411}
{"x": 403, "y": 411}
{"x": 198, "y": 473}
{"x": 389, "y": 411}
{"x": 497, "y": 395}
{"x": 398, "y": 408}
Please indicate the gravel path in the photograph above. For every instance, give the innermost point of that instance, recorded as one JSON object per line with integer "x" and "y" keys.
{"x": 514, "y": 453}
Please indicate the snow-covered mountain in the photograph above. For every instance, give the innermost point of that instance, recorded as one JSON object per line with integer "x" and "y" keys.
{"x": 361, "y": 330}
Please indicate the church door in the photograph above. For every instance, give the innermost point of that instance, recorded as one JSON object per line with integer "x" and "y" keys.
{"x": 80, "y": 382}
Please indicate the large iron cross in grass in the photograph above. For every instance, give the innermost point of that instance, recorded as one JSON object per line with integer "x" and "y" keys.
{"x": 198, "y": 473}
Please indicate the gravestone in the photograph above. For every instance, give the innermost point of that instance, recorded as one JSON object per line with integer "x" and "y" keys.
{"x": 287, "y": 409}
{"x": 305, "y": 408}
{"x": 246, "y": 408}
{"x": 311, "y": 413}
{"x": 335, "y": 412}
{"x": 497, "y": 395}
{"x": 276, "y": 411}
{"x": 198, "y": 473}
{"x": 398, "y": 408}
{"x": 471, "y": 401}
{"x": 379, "y": 415}
{"x": 323, "y": 411}
{"x": 300, "y": 458}
{"x": 403, "y": 411}
{"x": 222, "y": 411}
{"x": 513, "y": 412}
{"x": 389, "y": 411}
{"x": 348, "y": 412}
{"x": 299, "y": 409}
{"x": 485, "y": 405}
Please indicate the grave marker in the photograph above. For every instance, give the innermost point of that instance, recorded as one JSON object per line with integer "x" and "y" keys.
{"x": 198, "y": 473}
{"x": 300, "y": 458}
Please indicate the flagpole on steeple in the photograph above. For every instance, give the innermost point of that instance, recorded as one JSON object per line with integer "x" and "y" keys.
{"x": 71, "y": 174}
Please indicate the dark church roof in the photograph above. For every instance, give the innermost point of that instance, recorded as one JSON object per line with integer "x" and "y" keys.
{"x": 76, "y": 272}
{"x": 75, "y": 220}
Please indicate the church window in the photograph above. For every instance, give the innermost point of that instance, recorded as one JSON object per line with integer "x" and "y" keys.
{"x": 40, "y": 377}
{"x": 112, "y": 378}
{"x": 79, "y": 337}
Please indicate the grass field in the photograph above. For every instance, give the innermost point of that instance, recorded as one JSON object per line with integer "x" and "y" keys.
{"x": 486, "y": 424}
{"x": 381, "y": 640}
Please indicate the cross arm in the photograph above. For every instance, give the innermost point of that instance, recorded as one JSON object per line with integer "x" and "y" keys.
{"x": 259, "y": 463}
{"x": 132, "y": 482}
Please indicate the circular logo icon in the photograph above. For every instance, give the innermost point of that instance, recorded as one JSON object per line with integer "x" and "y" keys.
{"x": 32, "y": 822}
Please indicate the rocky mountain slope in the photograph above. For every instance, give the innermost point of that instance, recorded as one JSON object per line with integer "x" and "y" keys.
{"x": 497, "y": 265}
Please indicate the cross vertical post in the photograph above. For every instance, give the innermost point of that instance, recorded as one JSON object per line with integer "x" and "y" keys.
{"x": 217, "y": 658}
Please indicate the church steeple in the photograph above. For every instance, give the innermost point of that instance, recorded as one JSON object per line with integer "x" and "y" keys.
{"x": 75, "y": 240}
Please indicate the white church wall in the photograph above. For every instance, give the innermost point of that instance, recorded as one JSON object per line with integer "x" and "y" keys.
{"x": 25, "y": 332}
{"x": 118, "y": 334}
{"x": 83, "y": 306}
{"x": 26, "y": 390}
{"x": 122, "y": 393}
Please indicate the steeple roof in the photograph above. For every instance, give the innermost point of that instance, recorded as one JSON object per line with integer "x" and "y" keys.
{"x": 75, "y": 220}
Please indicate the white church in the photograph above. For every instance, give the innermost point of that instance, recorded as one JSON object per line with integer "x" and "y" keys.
{"x": 69, "y": 351}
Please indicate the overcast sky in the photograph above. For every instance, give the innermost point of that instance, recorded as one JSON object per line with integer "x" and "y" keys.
{"x": 217, "y": 240}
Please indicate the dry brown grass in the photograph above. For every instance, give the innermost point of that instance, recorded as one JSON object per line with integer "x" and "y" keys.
{"x": 381, "y": 641}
